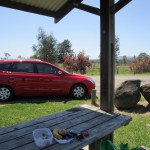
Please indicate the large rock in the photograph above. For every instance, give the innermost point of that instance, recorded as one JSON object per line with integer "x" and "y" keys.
{"x": 145, "y": 90}
{"x": 128, "y": 94}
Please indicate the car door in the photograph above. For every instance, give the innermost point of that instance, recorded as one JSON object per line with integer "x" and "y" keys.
{"x": 23, "y": 78}
{"x": 50, "y": 82}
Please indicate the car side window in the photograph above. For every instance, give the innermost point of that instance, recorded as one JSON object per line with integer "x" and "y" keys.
{"x": 23, "y": 67}
{"x": 46, "y": 69}
{"x": 5, "y": 67}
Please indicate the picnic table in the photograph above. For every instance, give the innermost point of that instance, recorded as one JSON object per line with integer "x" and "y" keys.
{"x": 82, "y": 118}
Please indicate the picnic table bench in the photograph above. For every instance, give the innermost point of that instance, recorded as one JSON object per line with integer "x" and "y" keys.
{"x": 98, "y": 123}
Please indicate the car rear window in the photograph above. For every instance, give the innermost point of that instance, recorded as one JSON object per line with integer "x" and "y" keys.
{"x": 5, "y": 67}
{"x": 23, "y": 67}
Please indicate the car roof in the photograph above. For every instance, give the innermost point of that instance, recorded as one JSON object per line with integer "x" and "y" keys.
{"x": 20, "y": 60}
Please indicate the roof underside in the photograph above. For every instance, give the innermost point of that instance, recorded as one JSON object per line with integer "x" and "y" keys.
{"x": 52, "y": 8}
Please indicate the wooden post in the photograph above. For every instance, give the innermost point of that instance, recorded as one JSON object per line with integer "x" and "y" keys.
{"x": 93, "y": 96}
{"x": 107, "y": 61}
{"x": 107, "y": 55}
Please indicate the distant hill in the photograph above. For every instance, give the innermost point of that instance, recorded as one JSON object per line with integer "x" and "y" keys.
{"x": 119, "y": 58}
{"x": 128, "y": 57}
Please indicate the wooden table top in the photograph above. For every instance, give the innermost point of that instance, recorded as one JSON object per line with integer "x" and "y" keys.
{"x": 82, "y": 118}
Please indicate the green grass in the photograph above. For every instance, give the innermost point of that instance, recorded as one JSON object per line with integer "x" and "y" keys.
{"x": 121, "y": 70}
{"x": 136, "y": 133}
{"x": 95, "y": 70}
{"x": 125, "y": 70}
{"x": 23, "y": 109}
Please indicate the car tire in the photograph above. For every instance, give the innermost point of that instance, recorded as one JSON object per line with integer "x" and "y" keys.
{"x": 78, "y": 91}
{"x": 6, "y": 93}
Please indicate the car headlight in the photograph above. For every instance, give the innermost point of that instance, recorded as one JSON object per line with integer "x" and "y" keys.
{"x": 91, "y": 80}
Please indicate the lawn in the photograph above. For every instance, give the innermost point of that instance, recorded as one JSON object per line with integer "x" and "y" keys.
{"x": 23, "y": 109}
{"x": 120, "y": 70}
{"x": 137, "y": 132}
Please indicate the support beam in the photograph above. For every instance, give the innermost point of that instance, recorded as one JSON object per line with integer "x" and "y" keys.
{"x": 107, "y": 56}
{"x": 87, "y": 8}
{"x": 119, "y": 5}
{"x": 65, "y": 9}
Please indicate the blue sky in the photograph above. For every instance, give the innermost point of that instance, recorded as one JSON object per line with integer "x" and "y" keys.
{"x": 19, "y": 30}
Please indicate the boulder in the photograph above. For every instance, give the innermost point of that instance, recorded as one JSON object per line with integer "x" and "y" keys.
{"x": 127, "y": 95}
{"x": 145, "y": 90}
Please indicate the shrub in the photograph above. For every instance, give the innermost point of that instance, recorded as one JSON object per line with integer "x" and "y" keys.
{"x": 77, "y": 63}
{"x": 140, "y": 66}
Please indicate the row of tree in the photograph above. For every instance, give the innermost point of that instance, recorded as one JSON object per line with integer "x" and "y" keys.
{"x": 49, "y": 50}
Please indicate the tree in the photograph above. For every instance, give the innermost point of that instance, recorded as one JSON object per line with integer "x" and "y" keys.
{"x": 143, "y": 56}
{"x": 117, "y": 52}
{"x": 117, "y": 46}
{"x": 20, "y": 57}
{"x": 125, "y": 60}
{"x": 7, "y": 55}
{"x": 70, "y": 63}
{"x": 63, "y": 49}
{"x": 83, "y": 62}
{"x": 46, "y": 48}
{"x": 140, "y": 64}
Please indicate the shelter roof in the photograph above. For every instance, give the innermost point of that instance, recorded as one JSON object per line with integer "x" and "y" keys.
{"x": 53, "y": 8}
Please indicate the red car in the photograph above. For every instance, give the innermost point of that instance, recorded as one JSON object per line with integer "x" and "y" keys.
{"x": 38, "y": 78}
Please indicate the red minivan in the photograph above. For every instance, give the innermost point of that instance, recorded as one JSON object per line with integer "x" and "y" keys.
{"x": 31, "y": 77}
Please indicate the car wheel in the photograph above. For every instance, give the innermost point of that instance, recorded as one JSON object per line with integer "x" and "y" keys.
{"x": 5, "y": 93}
{"x": 78, "y": 91}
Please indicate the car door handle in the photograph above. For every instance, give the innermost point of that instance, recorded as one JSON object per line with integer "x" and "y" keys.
{"x": 40, "y": 78}
{"x": 12, "y": 78}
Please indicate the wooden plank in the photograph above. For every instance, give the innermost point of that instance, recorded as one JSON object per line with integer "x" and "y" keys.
{"x": 95, "y": 133}
{"x": 84, "y": 126}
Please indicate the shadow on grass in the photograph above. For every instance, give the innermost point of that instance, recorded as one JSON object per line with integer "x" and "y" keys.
{"x": 139, "y": 109}
{"x": 39, "y": 100}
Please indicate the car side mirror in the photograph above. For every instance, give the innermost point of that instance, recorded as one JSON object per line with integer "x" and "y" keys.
{"x": 60, "y": 72}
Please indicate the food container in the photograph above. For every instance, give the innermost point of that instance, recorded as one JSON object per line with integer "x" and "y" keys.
{"x": 64, "y": 141}
{"x": 42, "y": 137}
